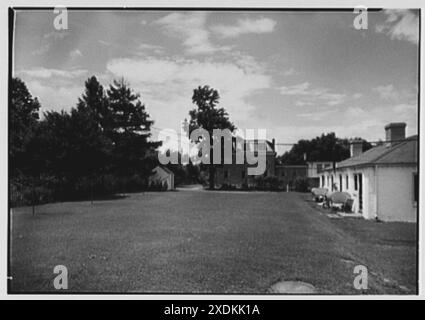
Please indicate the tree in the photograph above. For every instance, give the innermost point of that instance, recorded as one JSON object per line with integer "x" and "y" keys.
{"x": 324, "y": 148}
{"x": 94, "y": 101}
{"x": 70, "y": 147}
{"x": 130, "y": 131}
{"x": 23, "y": 123}
{"x": 209, "y": 117}
{"x": 93, "y": 109}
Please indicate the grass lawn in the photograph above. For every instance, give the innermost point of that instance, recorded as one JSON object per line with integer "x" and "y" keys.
{"x": 206, "y": 242}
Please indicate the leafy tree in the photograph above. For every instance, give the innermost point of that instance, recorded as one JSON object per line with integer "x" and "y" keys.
{"x": 208, "y": 116}
{"x": 327, "y": 147}
{"x": 23, "y": 123}
{"x": 130, "y": 131}
{"x": 69, "y": 147}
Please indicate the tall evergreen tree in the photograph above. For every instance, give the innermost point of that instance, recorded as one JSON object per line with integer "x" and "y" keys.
{"x": 95, "y": 102}
{"x": 130, "y": 131}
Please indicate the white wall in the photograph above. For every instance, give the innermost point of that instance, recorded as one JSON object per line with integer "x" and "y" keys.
{"x": 369, "y": 195}
{"x": 387, "y": 192}
{"x": 396, "y": 192}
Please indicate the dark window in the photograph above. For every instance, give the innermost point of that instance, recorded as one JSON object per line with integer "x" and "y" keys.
{"x": 340, "y": 182}
{"x": 346, "y": 182}
{"x": 415, "y": 187}
{"x": 355, "y": 182}
{"x": 323, "y": 181}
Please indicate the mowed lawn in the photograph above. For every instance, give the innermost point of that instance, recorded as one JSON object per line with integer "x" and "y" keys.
{"x": 206, "y": 242}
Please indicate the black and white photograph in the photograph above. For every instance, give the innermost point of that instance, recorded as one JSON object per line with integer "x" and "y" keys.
{"x": 213, "y": 151}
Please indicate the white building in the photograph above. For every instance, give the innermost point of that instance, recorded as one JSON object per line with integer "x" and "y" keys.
{"x": 316, "y": 168}
{"x": 383, "y": 181}
{"x": 162, "y": 175}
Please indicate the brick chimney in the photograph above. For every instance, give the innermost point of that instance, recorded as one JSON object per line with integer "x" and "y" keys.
{"x": 356, "y": 147}
{"x": 395, "y": 132}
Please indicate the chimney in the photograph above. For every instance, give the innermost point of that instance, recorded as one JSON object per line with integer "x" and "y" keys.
{"x": 356, "y": 147}
{"x": 395, "y": 132}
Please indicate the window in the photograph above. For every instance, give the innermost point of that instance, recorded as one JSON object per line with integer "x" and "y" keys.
{"x": 415, "y": 187}
{"x": 355, "y": 182}
{"x": 340, "y": 182}
{"x": 346, "y": 182}
{"x": 323, "y": 181}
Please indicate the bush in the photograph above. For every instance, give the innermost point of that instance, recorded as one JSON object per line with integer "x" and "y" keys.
{"x": 266, "y": 183}
{"x": 226, "y": 186}
{"x": 24, "y": 191}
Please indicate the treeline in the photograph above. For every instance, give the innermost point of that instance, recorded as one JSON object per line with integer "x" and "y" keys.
{"x": 101, "y": 146}
{"x": 327, "y": 147}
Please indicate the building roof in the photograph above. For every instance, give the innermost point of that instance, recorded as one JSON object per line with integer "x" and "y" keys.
{"x": 163, "y": 168}
{"x": 405, "y": 152}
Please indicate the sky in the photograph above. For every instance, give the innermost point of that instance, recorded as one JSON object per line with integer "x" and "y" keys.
{"x": 295, "y": 74}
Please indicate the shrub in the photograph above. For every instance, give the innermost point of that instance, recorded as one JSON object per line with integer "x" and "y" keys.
{"x": 266, "y": 183}
{"x": 226, "y": 186}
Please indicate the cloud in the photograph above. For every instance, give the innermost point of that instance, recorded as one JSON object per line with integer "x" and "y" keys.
{"x": 74, "y": 54}
{"x": 297, "y": 89}
{"x": 387, "y": 92}
{"x": 401, "y": 25}
{"x": 143, "y": 47}
{"x": 245, "y": 26}
{"x": 56, "y": 89}
{"x": 310, "y": 96}
{"x": 317, "y": 115}
{"x": 49, "y": 73}
{"x": 105, "y": 43}
{"x": 53, "y": 96}
{"x": 47, "y": 40}
{"x": 56, "y": 35}
{"x": 42, "y": 50}
{"x": 190, "y": 27}
{"x": 167, "y": 85}
{"x": 290, "y": 72}
{"x": 390, "y": 93}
